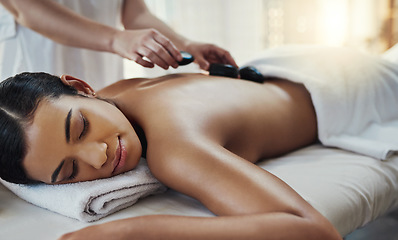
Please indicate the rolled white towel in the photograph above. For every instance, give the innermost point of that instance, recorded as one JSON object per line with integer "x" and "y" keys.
{"x": 91, "y": 200}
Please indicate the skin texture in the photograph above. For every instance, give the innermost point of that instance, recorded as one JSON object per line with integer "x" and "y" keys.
{"x": 144, "y": 35}
{"x": 204, "y": 134}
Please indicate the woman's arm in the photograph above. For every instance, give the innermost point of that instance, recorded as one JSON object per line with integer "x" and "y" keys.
{"x": 60, "y": 24}
{"x": 251, "y": 203}
{"x": 243, "y": 227}
{"x": 229, "y": 185}
{"x": 136, "y": 15}
{"x": 64, "y": 26}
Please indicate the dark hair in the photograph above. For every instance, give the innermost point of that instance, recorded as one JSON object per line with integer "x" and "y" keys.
{"x": 19, "y": 98}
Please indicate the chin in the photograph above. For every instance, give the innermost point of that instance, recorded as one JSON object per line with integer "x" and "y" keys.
{"x": 133, "y": 158}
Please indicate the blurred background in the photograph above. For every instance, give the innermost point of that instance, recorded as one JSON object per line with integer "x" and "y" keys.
{"x": 246, "y": 27}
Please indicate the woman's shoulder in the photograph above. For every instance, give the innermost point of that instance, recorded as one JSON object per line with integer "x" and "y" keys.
{"x": 118, "y": 87}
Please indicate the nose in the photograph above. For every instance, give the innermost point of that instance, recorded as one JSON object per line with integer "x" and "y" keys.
{"x": 93, "y": 153}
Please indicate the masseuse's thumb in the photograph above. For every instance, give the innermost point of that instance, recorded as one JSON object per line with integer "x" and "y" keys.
{"x": 203, "y": 63}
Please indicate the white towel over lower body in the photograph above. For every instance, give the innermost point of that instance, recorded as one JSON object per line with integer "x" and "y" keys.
{"x": 92, "y": 200}
{"x": 355, "y": 95}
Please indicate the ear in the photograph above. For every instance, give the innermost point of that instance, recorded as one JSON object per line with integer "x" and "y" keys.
{"x": 80, "y": 85}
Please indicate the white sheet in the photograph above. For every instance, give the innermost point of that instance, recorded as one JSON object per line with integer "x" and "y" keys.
{"x": 354, "y": 94}
{"x": 349, "y": 189}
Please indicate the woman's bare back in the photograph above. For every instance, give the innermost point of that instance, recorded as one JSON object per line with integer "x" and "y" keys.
{"x": 251, "y": 120}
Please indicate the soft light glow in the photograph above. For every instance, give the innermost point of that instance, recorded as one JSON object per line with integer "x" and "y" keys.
{"x": 334, "y": 22}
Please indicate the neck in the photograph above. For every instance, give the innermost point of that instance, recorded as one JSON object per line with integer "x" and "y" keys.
{"x": 141, "y": 135}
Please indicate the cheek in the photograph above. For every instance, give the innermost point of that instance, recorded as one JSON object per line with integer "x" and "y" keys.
{"x": 108, "y": 116}
{"x": 87, "y": 173}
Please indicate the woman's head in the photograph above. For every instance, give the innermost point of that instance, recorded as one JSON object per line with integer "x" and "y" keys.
{"x": 53, "y": 130}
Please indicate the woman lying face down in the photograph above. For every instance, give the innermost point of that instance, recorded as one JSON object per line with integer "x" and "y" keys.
{"x": 200, "y": 134}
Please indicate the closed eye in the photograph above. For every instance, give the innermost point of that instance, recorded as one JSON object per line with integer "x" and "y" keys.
{"x": 74, "y": 170}
{"x": 85, "y": 126}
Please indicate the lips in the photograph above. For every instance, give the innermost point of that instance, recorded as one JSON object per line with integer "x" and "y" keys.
{"x": 120, "y": 156}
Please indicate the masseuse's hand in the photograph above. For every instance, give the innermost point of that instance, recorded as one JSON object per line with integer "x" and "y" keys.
{"x": 205, "y": 54}
{"x": 147, "y": 47}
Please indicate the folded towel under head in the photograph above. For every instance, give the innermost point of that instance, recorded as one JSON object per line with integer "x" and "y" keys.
{"x": 91, "y": 200}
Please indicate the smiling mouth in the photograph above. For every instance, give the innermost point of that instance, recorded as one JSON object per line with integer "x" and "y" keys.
{"x": 120, "y": 156}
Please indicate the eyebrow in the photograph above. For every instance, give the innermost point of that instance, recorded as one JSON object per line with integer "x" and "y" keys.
{"x": 55, "y": 174}
{"x": 67, "y": 125}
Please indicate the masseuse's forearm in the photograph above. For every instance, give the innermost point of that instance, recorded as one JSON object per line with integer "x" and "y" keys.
{"x": 136, "y": 15}
{"x": 261, "y": 226}
{"x": 60, "y": 24}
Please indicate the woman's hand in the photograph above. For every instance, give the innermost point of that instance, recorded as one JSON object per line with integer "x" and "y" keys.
{"x": 146, "y": 43}
{"x": 205, "y": 54}
{"x": 103, "y": 231}
{"x": 92, "y": 232}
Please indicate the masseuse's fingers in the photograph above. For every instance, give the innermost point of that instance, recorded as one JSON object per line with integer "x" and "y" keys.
{"x": 205, "y": 54}
{"x": 147, "y": 47}
{"x": 160, "y": 51}
{"x": 141, "y": 61}
{"x": 226, "y": 57}
{"x": 216, "y": 54}
{"x": 166, "y": 48}
{"x": 158, "y": 55}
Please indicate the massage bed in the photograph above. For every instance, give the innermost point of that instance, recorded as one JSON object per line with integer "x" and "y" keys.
{"x": 347, "y": 188}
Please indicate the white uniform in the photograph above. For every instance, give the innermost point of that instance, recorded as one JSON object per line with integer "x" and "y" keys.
{"x": 22, "y": 49}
